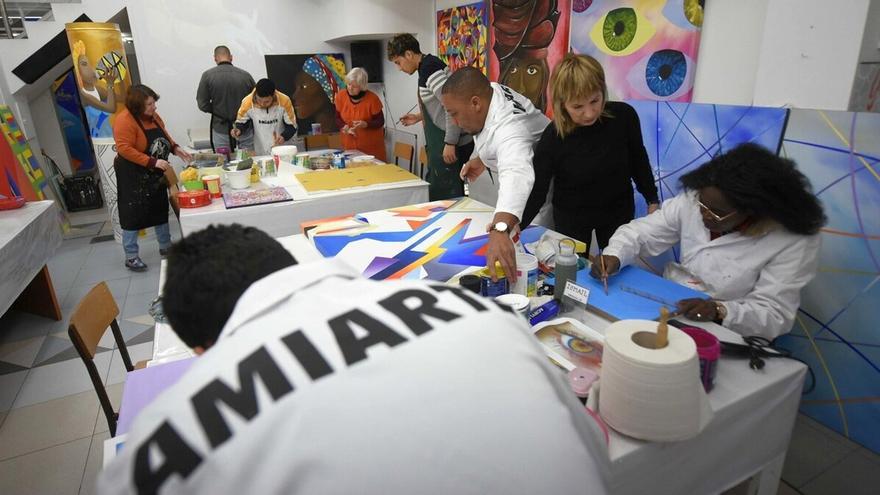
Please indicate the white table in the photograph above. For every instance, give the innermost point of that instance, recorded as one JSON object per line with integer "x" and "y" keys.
{"x": 29, "y": 237}
{"x": 283, "y": 219}
{"x": 754, "y": 414}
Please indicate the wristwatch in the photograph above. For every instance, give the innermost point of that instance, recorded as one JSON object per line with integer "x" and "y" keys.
{"x": 501, "y": 227}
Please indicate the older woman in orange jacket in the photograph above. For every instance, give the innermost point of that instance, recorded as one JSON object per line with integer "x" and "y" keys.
{"x": 143, "y": 147}
{"x": 359, "y": 116}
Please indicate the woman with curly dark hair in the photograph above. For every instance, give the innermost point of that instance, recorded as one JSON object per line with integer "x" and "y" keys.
{"x": 748, "y": 225}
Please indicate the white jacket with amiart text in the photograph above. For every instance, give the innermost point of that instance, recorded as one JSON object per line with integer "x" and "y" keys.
{"x": 323, "y": 382}
{"x": 757, "y": 278}
{"x": 506, "y": 146}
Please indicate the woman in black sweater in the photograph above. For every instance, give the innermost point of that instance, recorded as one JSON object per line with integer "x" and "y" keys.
{"x": 592, "y": 152}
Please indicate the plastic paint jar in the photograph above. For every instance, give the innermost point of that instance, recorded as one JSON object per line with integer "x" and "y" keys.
{"x": 708, "y": 350}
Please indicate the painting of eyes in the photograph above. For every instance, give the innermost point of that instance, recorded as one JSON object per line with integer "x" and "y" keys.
{"x": 567, "y": 341}
{"x": 662, "y": 75}
{"x": 621, "y": 32}
{"x": 648, "y": 48}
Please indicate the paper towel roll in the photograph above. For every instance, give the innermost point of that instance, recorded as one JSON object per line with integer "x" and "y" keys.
{"x": 651, "y": 394}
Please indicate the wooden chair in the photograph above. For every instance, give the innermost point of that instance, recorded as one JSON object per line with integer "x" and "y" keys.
{"x": 405, "y": 151}
{"x": 94, "y": 313}
{"x": 423, "y": 162}
{"x": 316, "y": 141}
{"x": 334, "y": 141}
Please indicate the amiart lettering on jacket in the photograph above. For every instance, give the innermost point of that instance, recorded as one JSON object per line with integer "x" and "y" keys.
{"x": 417, "y": 309}
{"x": 517, "y": 107}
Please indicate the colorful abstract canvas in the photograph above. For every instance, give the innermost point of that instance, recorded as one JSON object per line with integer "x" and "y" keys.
{"x": 437, "y": 240}
{"x": 74, "y": 129}
{"x": 648, "y": 48}
{"x": 680, "y": 137}
{"x": 836, "y": 328}
{"x": 528, "y": 38}
{"x": 23, "y": 172}
{"x": 463, "y": 36}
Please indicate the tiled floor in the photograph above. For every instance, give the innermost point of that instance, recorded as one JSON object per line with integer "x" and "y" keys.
{"x": 52, "y": 428}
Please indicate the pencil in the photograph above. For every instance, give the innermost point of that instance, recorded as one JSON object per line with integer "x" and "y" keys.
{"x": 604, "y": 273}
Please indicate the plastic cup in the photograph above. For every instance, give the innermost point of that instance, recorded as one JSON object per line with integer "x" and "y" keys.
{"x": 212, "y": 184}
{"x": 526, "y": 275}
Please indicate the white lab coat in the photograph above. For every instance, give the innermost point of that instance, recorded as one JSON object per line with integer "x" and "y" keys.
{"x": 757, "y": 278}
{"x": 506, "y": 146}
{"x": 455, "y": 399}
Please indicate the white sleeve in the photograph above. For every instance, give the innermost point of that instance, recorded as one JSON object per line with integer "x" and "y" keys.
{"x": 770, "y": 309}
{"x": 651, "y": 234}
{"x": 515, "y": 173}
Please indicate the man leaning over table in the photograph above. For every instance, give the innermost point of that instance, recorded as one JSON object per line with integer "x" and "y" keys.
{"x": 312, "y": 379}
{"x": 506, "y": 126}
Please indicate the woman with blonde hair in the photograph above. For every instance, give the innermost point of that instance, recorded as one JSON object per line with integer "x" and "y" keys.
{"x": 592, "y": 152}
{"x": 359, "y": 116}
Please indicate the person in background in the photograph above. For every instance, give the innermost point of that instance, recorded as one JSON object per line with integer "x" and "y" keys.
{"x": 269, "y": 113}
{"x": 748, "y": 225}
{"x": 447, "y": 147}
{"x": 505, "y": 126}
{"x": 359, "y": 116}
{"x": 280, "y": 344}
{"x": 143, "y": 147}
{"x": 591, "y": 153}
{"x": 220, "y": 92}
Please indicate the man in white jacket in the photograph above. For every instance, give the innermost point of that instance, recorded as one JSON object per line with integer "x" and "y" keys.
{"x": 748, "y": 228}
{"x": 506, "y": 127}
{"x": 323, "y": 382}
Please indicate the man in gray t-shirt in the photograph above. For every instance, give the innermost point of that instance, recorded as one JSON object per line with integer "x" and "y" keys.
{"x": 220, "y": 92}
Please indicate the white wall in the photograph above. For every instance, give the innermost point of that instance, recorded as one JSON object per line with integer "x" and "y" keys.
{"x": 809, "y": 53}
{"x": 730, "y": 46}
{"x": 175, "y": 42}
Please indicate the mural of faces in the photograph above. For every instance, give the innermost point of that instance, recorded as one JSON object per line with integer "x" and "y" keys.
{"x": 528, "y": 77}
{"x": 522, "y": 32}
{"x": 308, "y": 97}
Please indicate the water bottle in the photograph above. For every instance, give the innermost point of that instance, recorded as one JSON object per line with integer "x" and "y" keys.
{"x": 566, "y": 267}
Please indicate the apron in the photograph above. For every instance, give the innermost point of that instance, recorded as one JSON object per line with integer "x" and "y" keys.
{"x": 444, "y": 181}
{"x": 143, "y": 192}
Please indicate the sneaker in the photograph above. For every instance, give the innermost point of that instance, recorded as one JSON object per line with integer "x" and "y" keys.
{"x": 136, "y": 264}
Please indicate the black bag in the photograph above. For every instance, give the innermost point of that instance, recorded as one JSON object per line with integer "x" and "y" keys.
{"x": 79, "y": 192}
{"x": 82, "y": 193}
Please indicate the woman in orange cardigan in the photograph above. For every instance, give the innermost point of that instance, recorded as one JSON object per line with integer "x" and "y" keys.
{"x": 143, "y": 147}
{"x": 359, "y": 116}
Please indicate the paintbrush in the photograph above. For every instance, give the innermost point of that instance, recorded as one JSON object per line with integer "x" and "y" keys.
{"x": 400, "y": 120}
{"x": 604, "y": 273}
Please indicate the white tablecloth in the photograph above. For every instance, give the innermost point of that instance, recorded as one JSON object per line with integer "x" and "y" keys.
{"x": 283, "y": 219}
{"x": 29, "y": 236}
{"x": 754, "y": 413}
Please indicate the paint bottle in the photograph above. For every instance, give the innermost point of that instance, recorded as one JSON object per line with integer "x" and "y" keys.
{"x": 566, "y": 267}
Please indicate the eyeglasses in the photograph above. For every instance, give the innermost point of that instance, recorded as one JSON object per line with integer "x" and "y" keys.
{"x": 715, "y": 215}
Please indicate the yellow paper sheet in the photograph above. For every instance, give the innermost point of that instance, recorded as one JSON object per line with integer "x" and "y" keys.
{"x": 336, "y": 179}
